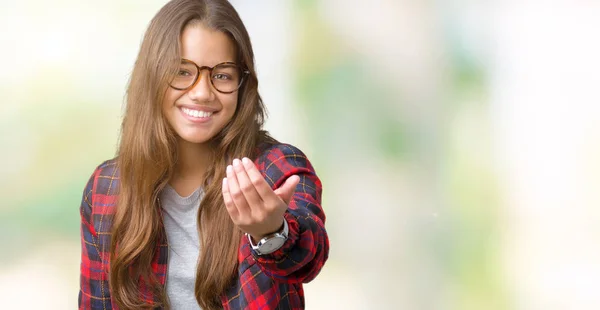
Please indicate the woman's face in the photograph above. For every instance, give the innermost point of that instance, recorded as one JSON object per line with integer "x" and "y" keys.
{"x": 197, "y": 114}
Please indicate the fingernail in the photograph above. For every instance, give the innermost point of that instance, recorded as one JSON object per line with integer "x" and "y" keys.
{"x": 247, "y": 161}
{"x": 229, "y": 169}
{"x": 236, "y": 162}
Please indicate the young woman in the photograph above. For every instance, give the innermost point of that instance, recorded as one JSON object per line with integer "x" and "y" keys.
{"x": 200, "y": 208}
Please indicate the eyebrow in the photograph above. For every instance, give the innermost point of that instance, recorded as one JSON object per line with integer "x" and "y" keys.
{"x": 186, "y": 60}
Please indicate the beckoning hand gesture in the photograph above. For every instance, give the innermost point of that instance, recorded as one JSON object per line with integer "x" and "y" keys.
{"x": 252, "y": 205}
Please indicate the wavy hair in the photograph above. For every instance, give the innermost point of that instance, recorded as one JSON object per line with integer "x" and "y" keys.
{"x": 147, "y": 153}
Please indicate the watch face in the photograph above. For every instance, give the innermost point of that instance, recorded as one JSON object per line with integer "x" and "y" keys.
{"x": 271, "y": 245}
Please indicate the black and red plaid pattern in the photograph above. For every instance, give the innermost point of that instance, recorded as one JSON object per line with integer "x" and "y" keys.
{"x": 271, "y": 281}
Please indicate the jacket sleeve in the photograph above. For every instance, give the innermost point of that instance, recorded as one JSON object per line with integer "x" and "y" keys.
{"x": 93, "y": 285}
{"x": 304, "y": 253}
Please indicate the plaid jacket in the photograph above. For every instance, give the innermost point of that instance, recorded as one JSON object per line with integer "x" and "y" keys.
{"x": 271, "y": 281}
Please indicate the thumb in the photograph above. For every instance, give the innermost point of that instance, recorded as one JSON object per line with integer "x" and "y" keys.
{"x": 286, "y": 191}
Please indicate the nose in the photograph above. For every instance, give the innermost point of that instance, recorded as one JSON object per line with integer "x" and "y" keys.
{"x": 202, "y": 90}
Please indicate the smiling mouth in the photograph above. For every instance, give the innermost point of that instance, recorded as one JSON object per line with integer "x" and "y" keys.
{"x": 196, "y": 113}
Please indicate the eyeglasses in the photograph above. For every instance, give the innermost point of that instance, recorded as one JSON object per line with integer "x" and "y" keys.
{"x": 225, "y": 77}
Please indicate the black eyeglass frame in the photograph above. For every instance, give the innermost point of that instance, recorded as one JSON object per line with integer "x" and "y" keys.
{"x": 244, "y": 73}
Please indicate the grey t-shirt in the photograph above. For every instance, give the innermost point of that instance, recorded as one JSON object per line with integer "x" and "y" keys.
{"x": 180, "y": 218}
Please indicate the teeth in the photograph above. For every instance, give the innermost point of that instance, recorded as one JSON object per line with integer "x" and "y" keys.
{"x": 196, "y": 113}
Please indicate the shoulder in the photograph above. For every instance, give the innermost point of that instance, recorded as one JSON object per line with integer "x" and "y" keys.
{"x": 107, "y": 167}
{"x": 105, "y": 178}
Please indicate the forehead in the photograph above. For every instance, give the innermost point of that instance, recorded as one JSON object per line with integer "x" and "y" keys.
{"x": 205, "y": 46}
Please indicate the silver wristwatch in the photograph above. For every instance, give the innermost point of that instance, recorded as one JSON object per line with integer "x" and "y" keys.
{"x": 272, "y": 242}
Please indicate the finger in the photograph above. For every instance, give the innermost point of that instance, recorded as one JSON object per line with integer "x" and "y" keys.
{"x": 233, "y": 212}
{"x": 287, "y": 190}
{"x": 248, "y": 189}
{"x": 236, "y": 193}
{"x": 260, "y": 184}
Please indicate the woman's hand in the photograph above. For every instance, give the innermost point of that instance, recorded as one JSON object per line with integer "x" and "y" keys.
{"x": 253, "y": 206}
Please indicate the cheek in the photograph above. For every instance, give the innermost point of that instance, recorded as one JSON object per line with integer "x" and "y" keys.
{"x": 229, "y": 103}
{"x": 169, "y": 100}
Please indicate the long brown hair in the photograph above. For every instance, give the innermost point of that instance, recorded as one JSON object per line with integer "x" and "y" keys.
{"x": 147, "y": 154}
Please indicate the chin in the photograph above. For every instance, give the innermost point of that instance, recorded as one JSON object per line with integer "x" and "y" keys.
{"x": 195, "y": 139}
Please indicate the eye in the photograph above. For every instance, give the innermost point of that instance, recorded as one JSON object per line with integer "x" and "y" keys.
{"x": 221, "y": 76}
{"x": 183, "y": 72}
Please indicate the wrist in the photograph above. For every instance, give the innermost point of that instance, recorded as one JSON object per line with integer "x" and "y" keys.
{"x": 256, "y": 238}
{"x": 271, "y": 242}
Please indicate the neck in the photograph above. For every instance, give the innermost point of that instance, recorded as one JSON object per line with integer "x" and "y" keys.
{"x": 192, "y": 162}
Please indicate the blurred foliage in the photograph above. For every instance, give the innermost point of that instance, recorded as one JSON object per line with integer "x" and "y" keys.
{"x": 340, "y": 96}
{"x": 345, "y": 103}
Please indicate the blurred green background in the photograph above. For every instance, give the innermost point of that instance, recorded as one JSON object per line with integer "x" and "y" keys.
{"x": 458, "y": 143}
